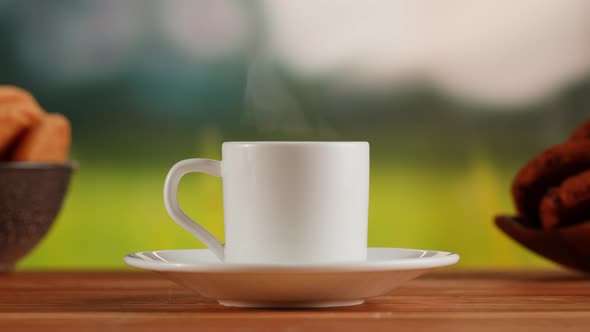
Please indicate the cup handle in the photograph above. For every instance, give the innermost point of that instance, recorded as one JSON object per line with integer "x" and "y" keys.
{"x": 208, "y": 166}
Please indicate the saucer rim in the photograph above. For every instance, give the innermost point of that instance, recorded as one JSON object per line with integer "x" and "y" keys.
{"x": 441, "y": 259}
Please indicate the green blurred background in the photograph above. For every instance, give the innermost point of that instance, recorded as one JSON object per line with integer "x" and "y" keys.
{"x": 148, "y": 83}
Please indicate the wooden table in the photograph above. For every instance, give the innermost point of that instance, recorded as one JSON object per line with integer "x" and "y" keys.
{"x": 448, "y": 300}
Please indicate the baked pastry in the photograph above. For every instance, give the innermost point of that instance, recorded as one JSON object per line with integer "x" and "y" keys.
{"x": 15, "y": 119}
{"x": 582, "y": 132}
{"x": 567, "y": 204}
{"x": 10, "y": 94}
{"x": 548, "y": 170}
{"x": 27, "y": 133}
{"x": 48, "y": 141}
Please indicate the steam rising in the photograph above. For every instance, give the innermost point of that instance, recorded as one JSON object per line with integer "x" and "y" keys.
{"x": 270, "y": 104}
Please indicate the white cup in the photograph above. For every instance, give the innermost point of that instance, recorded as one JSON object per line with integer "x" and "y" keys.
{"x": 285, "y": 202}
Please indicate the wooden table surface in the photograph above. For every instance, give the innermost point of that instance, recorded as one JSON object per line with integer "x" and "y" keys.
{"x": 447, "y": 300}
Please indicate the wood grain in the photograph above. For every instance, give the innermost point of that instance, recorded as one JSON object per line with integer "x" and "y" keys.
{"x": 448, "y": 300}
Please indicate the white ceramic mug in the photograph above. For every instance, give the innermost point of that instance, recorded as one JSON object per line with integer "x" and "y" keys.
{"x": 285, "y": 202}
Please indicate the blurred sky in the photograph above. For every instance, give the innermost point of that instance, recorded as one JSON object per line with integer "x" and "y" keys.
{"x": 497, "y": 52}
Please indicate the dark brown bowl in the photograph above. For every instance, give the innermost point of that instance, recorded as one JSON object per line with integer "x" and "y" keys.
{"x": 31, "y": 195}
{"x": 568, "y": 246}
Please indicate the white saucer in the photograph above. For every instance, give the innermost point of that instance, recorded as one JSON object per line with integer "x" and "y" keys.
{"x": 284, "y": 286}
